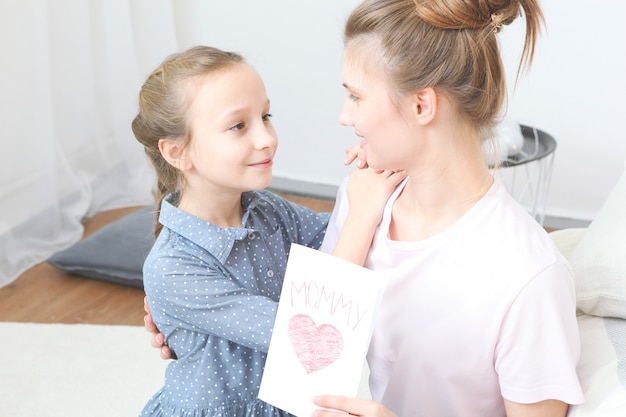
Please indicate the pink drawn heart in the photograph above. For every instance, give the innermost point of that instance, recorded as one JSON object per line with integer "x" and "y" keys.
{"x": 316, "y": 347}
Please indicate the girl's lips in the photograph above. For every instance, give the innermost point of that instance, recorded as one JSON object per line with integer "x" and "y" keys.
{"x": 263, "y": 164}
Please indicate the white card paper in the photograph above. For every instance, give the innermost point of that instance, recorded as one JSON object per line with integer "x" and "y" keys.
{"x": 322, "y": 330}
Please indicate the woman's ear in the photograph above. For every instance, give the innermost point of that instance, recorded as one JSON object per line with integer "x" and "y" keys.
{"x": 425, "y": 105}
{"x": 173, "y": 151}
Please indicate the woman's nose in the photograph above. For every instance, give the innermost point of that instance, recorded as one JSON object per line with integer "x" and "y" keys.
{"x": 345, "y": 117}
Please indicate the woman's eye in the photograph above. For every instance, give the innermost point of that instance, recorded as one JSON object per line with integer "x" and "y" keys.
{"x": 238, "y": 126}
{"x": 352, "y": 97}
{"x": 267, "y": 117}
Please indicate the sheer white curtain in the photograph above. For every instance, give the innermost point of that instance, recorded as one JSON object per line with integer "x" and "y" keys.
{"x": 70, "y": 73}
{"x": 69, "y": 78}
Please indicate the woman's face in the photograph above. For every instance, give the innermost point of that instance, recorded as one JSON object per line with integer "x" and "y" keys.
{"x": 233, "y": 140}
{"x": 385, "y": 126}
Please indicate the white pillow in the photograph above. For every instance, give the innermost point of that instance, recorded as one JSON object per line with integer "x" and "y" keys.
{"x": 599, "y": 259}
{"x": 601, "y": 367}
{"x": 567, "y": 239}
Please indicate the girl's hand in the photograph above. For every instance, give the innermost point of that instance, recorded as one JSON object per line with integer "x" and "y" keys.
{"x": 356, "y": 152}
{"x": 368, "y": 191}
{"x": 352, "y": 406}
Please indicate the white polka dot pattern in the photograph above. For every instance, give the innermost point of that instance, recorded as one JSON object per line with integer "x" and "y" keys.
{"x": 213, "y": 294}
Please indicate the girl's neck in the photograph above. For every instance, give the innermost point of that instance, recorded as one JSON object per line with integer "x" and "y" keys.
{"x": 221, "y": 209}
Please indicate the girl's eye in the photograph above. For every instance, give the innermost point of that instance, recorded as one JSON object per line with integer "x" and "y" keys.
{"x": 352, "y": 97}
{"x": 238, "y": 126}
{"x": 267, "y": 117}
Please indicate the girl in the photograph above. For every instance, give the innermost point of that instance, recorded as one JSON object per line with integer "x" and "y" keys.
{"x": 215, "y": 272}
{"x": 478, "y": 318}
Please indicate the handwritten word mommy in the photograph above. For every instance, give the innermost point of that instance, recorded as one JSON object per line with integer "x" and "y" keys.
{"x": 318, "y": 297}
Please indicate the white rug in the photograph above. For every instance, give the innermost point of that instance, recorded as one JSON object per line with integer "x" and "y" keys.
{"x": 76, "y": 370}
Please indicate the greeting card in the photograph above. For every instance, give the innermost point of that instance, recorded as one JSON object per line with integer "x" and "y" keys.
{"x": 322, "y": 330}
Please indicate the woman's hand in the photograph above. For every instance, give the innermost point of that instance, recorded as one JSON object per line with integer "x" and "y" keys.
{"x": 158, "y": 340}
{"x": 352, "y": 406}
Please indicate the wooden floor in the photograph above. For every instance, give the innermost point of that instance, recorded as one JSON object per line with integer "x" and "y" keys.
{"x": 44, "y": 294}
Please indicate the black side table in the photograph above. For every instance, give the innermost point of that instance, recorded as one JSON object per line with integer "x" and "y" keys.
{"x": 527, "y": 174}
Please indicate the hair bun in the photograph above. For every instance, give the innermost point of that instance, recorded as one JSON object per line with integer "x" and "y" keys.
{"x": 504, "y": 13}
{"x": 463, "y": 14}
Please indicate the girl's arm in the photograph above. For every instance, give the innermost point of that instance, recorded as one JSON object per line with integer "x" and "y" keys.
{"x": 368, "y": 191}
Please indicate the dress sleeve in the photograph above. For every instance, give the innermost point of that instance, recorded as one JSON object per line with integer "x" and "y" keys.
{"x": 303, "y": 225}
{"x": 207, "y": 301}
{"x": 539, "y": 345}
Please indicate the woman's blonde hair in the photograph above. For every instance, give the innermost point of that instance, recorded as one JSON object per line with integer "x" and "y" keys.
{"x": 449, "y": 45}
{"x": 163, "y": 103}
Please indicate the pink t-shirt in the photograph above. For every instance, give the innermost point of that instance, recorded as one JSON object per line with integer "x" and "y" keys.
{"x": 481, "y": 311}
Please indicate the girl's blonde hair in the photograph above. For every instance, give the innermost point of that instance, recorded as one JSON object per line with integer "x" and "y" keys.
{"x": 163, "y": 103}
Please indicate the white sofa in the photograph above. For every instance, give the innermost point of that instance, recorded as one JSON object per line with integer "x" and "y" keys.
{"x": 598, "y": 258}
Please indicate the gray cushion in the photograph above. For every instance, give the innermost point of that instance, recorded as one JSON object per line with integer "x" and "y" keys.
{"x": 114, "y": 253}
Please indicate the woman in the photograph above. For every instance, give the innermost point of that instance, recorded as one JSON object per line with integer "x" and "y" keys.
{"x": 478, "y": 318}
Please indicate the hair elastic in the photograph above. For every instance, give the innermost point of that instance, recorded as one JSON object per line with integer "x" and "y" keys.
{"x": 496, "y": 22}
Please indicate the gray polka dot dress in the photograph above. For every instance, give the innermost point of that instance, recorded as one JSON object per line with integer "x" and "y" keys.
{"x": 213, "y": 293}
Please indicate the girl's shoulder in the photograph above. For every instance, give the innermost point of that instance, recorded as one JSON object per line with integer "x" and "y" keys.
{"x": 278, "y": 202}
{"x": 269, "y": 197}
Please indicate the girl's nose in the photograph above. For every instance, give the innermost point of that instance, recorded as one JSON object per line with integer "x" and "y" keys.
{"x": 266, "y": 138}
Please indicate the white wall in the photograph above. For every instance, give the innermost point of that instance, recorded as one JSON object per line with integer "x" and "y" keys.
{"x": 575, "y": 91}
{"x": 296, "y": 46}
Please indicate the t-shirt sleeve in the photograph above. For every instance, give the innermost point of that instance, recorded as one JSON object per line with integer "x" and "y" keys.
{"x": 539, "y": 345}
{"x": 337, "y": 219}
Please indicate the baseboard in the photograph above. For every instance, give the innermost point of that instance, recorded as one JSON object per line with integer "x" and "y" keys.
{"x": 558, "y": 223}
{"x": 329, "y": 192}
{"x": 304, "y": 188}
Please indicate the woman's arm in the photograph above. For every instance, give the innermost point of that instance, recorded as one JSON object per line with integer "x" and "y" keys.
{"x": 352, "y": 406}
{"x": 547, "y": 408}
{"x": 368, "y": 408}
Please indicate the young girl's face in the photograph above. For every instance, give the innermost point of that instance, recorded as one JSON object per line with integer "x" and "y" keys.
{"x": 233, "y": 140}
{"x": 378, "y": 120}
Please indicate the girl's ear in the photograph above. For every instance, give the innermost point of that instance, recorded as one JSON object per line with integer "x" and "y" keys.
{"x": 425, "y": 105}
{"x": 173, "y": 151}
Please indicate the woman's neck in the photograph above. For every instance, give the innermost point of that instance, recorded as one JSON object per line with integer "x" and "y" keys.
{"x": 436, "y": 197}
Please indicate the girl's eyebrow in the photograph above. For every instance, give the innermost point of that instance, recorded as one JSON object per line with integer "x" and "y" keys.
{"x": 242, "y": 109}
